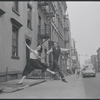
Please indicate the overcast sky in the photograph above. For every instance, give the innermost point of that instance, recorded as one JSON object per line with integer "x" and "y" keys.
{"x": 85, "y": 26}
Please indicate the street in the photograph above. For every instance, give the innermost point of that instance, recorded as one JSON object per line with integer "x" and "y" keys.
{"x": 92, "y": 87}
{"x": 76, "y": 88}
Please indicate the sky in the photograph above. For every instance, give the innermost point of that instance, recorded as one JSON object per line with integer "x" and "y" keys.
{"x": 85, "y": 26}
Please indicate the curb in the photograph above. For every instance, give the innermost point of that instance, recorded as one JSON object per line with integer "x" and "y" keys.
{"x": 11, "y": 89}
{"x": 37, "y": 83}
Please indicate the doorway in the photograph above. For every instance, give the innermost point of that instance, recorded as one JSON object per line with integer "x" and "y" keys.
{"x": 27, "y": 50}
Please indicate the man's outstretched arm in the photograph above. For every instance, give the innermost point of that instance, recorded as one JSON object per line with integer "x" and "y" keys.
{"x": 65, "y": 49}
{"x": 48, "y": 52}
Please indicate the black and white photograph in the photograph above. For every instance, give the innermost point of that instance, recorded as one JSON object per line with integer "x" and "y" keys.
{"x": 49, "y": 49}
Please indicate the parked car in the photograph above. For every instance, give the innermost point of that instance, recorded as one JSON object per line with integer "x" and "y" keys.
{"x": 89, "y": 72}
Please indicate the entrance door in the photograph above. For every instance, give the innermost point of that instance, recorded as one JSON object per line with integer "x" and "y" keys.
{"x": 27, "y": 50}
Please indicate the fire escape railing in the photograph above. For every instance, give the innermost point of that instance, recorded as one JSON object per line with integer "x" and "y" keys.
{"x": 49, "y": 11}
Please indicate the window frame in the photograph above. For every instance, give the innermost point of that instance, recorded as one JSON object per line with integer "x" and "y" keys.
{"x": 18, "y": 25}
{"x": 14, "y": 8}
{"x": 29, "y": 16}
{"x": 16, "y": 28}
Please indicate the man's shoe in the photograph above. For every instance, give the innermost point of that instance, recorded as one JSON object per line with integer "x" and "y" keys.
{"x": 64, "y": 80}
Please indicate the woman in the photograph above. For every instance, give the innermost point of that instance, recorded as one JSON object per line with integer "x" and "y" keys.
{"x": 34, "y": 63}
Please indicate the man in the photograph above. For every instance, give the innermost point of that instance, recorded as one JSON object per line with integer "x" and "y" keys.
{"x": 56, "y": 50}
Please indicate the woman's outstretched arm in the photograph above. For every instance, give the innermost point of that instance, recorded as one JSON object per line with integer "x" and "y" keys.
{"x": 29, "y": 47}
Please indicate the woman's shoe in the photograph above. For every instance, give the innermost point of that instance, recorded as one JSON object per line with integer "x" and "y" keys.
{"x": 19, "y": 83}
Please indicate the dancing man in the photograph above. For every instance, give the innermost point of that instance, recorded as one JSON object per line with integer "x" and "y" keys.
{"x": 56, "y": 50}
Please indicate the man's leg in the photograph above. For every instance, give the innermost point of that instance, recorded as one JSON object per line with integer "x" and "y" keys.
{"x": 59, "y": 71}
{"x": 53, "y": 69}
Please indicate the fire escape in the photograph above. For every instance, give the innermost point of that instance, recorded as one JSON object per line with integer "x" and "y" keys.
{"x": 66, "y": 38}
{"x": 66, "y": 28}
{"x": 48, "y": 10}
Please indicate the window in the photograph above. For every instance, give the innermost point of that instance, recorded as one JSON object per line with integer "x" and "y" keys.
{"x": 15, "y": 5}
{"x": 39, "y": 40}
{"x": 29, "y": 16}
{"x": 39, "y": 18}
{"x": 45, "y": 28}
{"x": 14, "y": 41}
{"x": 15, "y": 31}
{"x": 45, "y": 51}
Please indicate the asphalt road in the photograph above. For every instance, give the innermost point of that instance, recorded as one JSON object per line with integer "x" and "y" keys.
{"x": 92, "y": 87}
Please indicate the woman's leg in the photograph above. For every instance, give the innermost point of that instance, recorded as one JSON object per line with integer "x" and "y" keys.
{"x": 28, "y": 68}
{"x": 44, "y": 67}
{"x": 21, "y": 81}
{"x": 50, "y": 71}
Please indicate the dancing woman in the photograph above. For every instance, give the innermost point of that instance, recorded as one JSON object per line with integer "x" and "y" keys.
{"x": 34, "y": 63}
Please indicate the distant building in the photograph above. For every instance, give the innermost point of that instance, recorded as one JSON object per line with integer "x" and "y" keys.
{"x": 68, "y": 40}
{"x": 94, "y": 61}
{"x": 74, "y": 56}
{"x": 98, "y": 58}
{"x": 87, "y": 61}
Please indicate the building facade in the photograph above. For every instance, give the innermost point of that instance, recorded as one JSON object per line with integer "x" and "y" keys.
{"x": 75, "y": 63}
{"x": 98, "y": 58}
{"x": 17, "y": 26}
{"x": 33, "y": 22}
{"x": 94, "y": 61}
{"x": 68, "y": 40}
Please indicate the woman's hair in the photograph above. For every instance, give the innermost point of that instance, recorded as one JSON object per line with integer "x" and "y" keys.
{"x": 40, "y": 51}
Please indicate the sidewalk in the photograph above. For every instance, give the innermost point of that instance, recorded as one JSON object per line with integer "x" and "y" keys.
{"x": 12, "y": 86}
{"x": 57, "y": 89}
{"x": 51, "y": 89}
